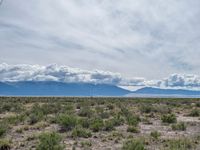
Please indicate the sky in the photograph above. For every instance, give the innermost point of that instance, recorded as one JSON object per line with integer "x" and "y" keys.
{"x": 148, "y": 42}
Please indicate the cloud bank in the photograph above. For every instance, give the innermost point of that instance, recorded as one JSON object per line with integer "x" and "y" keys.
{"x": 24, "y": 72}
{"x": 149, "y": 38}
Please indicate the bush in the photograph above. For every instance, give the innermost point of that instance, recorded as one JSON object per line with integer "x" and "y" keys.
{"x": 96, "y": 125}
{"x": 80, "y": 132}
{"x": 179, "y": 126}
{"x": 108, "y": 125}
{"x": 169, "y": 118}
{"x": 3, "y": 129}
{"x": 68, "y": 122}
{"x": 145, "y": 108}
{"x": 5, "y": 144}
{"x": 84, "y": 122}
{"x": 50, "y": 141}
{"x": 194, "y": 113}
{"x": 155, "y": 134}
{"x": 133, "y": 120}
{"x": 86, "y": 112}
{"x": 133, "y": 144}
{"x": 180, "y": 144}
{"x": 133, "y": 129}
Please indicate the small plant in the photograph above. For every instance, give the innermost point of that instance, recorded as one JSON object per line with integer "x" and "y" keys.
{"x": 146, "y": 108}
{"x": 155, "y": 134}
{"x": 180, "y": 144}
{"x": 5, "y": 144}
{"x": 194, "y": 113}
{"x": 68, "y": 122}
{"x": 50, "y": 141}
{"x": 80, "y": 132}
{"x": 133, "y": 120}
{"x": 169, "y": 118}
{"x": 86, "y": 112}
{"x": 86, "y": 144}
{"x": 179, "y": 126}
{"x": 96, "y": 125}
{"x": 108, "y": 125}
{"x": 133, "y": 144}
{"x": 133, "y": 129}
{"x": 3, "y": 129}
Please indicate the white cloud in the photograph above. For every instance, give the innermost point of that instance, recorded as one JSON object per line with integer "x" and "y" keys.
{"x": 13, "y": 73}
{"x": 148, "y": 38}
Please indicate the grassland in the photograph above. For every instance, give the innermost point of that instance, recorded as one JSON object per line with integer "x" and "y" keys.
{"x": 56, "y": 123}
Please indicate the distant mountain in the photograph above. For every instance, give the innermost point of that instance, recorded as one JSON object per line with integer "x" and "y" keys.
{"x": 156, "y": 92}
{"x": 49, "y": 88}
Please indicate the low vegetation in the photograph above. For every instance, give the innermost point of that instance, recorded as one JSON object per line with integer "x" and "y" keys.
{"x": 58, "y": 123}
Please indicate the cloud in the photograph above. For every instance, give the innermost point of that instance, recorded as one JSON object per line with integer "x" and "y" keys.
{"x": 24, "y": 72}
{"x": 135, "y": 38}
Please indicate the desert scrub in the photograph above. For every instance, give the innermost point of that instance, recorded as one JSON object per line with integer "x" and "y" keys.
{"x": 133, "y": 120}
{"x": 50, "y": 141}
{"x": 179, "y": 144}
{"x": 3, "y": 129}
{"x": 179, "y": 126}
{"x": 155, "y": 134}
{"x": 195, "y": 113}
{"x": 68, "y": 122}
{"x": 145, "y": 108}
{"x": 133, "y": 129}
{"x": 108, "y": 125}
{"x": 84, "y": 122}
{"x": 169, "y": 118}
{"x": 133, "y": 144}
{"x": 86, "y": 112}
{"x": 81, "y": 132}
{"x": 5, "y": 144}
{"x": 96, "y": 124}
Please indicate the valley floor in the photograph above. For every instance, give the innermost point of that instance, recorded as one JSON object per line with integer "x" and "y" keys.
{"x": 68, "y": 123}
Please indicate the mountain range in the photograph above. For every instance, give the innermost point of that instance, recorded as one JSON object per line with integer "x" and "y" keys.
{"x": 52, "y": 88}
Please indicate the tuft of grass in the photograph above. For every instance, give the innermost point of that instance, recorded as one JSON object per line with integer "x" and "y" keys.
{"x": 50, "y": 141}
{"x": 96, "y": 125}
{"x": 5, "y": 144}
{"x": 194, "y": 113}
{"x": 81, "y": 132}
{"x": 169, "y": 118}
{"x": 133, "y": 144}
{"x": 179, "y": 126}
{"x": 3, "y": 129}
{"x": 133, "y": 129}
{"x": 155, "y": 134}
{"x": 68, "y": 122}
{"x": 180, "y": 144}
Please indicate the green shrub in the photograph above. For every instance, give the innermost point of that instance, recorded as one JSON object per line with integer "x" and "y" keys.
{"x": 96, "y": 125}
{"x": 194, "y": 113}
{"x": 86, "y": 112}
{"x": 145, "y": 108}
{"x": 108, "y": 125}
{"x": 84, "y": 122}
{"x": 179, "y": 126}
{"x": 3, "y": 129}
{"x": 68, "y": 122}
{"x": 155, "y": 134}
{"x": 133, "y": 129}
{"x": 133, "y": 120}
{"x": 180, "y": 144}
{"x": 80, "y": 132}
{"x": 133, "y": 144}
{"x": 169, "y": 118}
{"x": 50, "y": 141}
{"x": 5, "y": 144}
